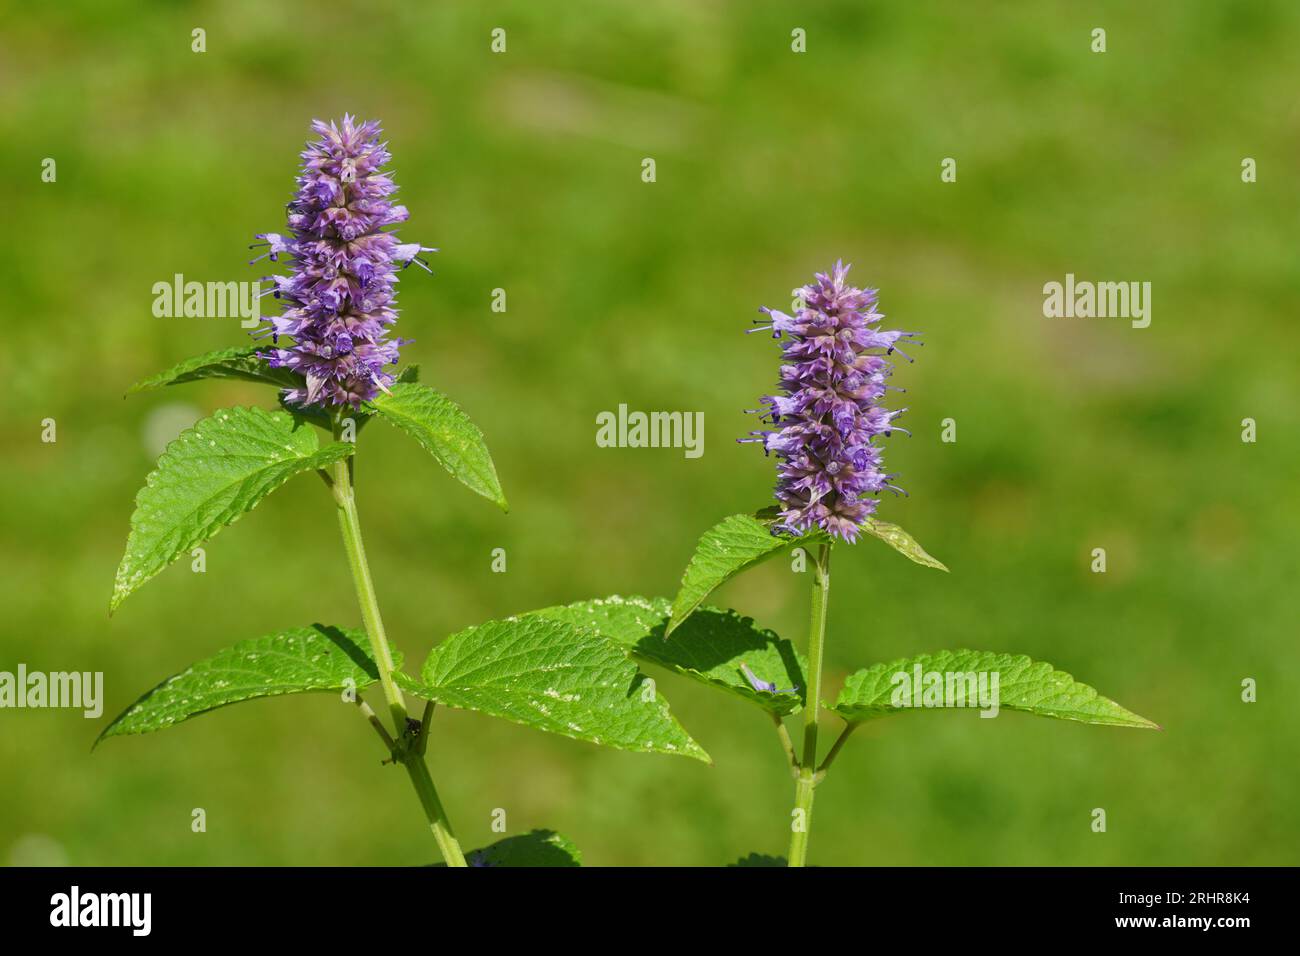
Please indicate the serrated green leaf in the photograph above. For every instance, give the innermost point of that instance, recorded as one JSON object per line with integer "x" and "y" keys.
{"x": 445, "y": 432}
{"x": 902, "y": 542}
{"x": 758, "y": 860}
{"x": 538, "y": 848}
{"x": 240, "y": 362}
{"x": 555, "y": 677}
{"x": 1023, "y": 684}
{"x": 710, "y": 647}
{"x": 743, "y": 541}
{"x": 208, "y": 478}
{"x": 733, "y": 545}
{"x": 296, "y": 661}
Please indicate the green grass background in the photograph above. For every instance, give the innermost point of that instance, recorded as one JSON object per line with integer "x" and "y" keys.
{"x": 524, "y": 169}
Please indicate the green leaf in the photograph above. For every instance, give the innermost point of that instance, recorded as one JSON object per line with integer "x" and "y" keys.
{"x": 742, "y": 541}
{"x": 208, "y": 478}
{"x": 710, "y": 647}
{"x": 734, "y": 545}
{"x": 446, "y": 432}
{"x": 902, "y": 542}
{"x": 296, "y": 661}
{"x": 1023, "y": 684}
{"x": 538, "y": 848}
{"x": 759, "y": 860}
{"x": 240, "y": 362}
{"x": 555, "y": 677}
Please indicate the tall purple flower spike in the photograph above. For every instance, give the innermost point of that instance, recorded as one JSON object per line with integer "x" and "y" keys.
{"x": 833, "y": 381}
{"x": 339, "y": 300}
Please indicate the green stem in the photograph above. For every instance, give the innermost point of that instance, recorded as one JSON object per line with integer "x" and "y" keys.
{"x": 787, "y": 745}
{"x": 411, "y": 757}
{"x": 370, "y": 715}
{"x": 803, "y": 791}
{"x": 840, "y": 741}
{"x": 433, "y": 811}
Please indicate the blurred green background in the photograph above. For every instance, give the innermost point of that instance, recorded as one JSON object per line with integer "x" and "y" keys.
{"x": 524, "y": 168}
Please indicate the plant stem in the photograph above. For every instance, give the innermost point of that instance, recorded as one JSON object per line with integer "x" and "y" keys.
{"x": 787, "y": 745}
{"x": 350, "y": 525}
{"x": 369, "y": 713}
{"x": 803, "y": 792}
{"x": 433, "y": 810}
{"x": 411, "y": 758}
{"x": 840, "y": 741}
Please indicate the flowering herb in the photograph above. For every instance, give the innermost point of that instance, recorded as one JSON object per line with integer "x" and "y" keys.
{"x": 330, "y": 357}
{"x": 824, "y": 423}
{"x": 567, "y": 670}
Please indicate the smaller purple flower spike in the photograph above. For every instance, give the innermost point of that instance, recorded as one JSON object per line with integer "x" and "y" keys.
{"x": 339, "y": 300}
{"x": 829, "y": 412}
{"x": 764, "y": 686}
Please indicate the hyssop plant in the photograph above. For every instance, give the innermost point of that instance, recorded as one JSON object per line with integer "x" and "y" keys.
{"x": 330, "y": 356}
{"x": 823, "y": 430}
{"x": 567, "y": 669}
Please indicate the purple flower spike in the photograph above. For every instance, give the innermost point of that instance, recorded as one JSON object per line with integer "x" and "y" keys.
{"x": 339, "y": 300}
{"x": 833, "y": 379}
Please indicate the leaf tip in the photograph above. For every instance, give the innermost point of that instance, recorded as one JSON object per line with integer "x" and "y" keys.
{"x": 695, "y": 750}
{"x": 119, "y": 595}
{"x": 1137, "y": 721}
